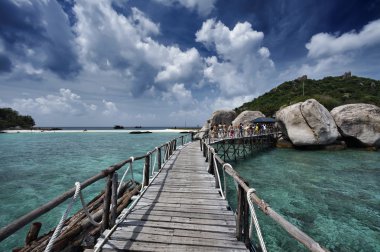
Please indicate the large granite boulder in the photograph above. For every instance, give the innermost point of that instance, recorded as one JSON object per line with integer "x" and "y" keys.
{"x": 246, "y": 117}
{"x": 203, "y": 132}
{"x": 307, "y": 123}
{"x": 222, "y": 117}
{"x": 359, "y": 121}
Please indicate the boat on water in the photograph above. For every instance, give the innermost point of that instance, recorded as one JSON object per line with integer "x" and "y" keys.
{"x": 118, "y": 127}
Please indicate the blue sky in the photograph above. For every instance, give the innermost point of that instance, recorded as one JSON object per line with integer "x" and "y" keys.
{"x": 167, "y": 62}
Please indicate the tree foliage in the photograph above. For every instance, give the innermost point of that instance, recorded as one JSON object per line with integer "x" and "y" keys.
{"x": 329, "y": 91}
{"x": 10, "y": 118}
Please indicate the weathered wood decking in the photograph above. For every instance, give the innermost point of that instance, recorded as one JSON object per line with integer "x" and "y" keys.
{"x": 180, "y": 211}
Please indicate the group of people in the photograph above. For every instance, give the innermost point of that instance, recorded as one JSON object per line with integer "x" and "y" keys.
{"x": 222, "y": 131}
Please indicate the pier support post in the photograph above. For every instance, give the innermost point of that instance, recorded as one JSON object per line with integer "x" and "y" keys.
{"x": 33, "y": 232}
{"x": 242, "y": 218}
{"x": 159, "y": 158}
{"x": 146, "y": 170}
{"x": 114, "y": 199}
{"x": 107, "y": 203}
{"x": 211, "y": 163}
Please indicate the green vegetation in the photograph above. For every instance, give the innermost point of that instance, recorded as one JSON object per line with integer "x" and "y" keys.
{"x": 10, "y": 118}
{"x": 330, "y": 92}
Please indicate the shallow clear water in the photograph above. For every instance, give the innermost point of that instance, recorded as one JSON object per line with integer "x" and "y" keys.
{"x": 333, "y": 196}
{"x": 35, "y": 168}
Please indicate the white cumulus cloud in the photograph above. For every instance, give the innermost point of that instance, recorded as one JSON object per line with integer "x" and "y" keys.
{"x": 325, "y": 44}
{"x": 180, "y": 94}
{"x": 203, "y": 7}
{"x": 110, "y": 41}
{"x": 241, "y": 65}
{"x": 64, "y": 103}
{"x": 110, "y": 108}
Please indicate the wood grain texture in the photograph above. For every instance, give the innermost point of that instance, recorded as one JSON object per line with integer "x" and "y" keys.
{"x": 180, "y": 211}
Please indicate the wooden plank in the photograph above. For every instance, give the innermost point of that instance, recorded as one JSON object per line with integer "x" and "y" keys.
{"x": 172, "y": 225}
{"x": 200, "y": 215}
{"x": 114, "y": 245}
{"x": 185, "y": 201}
{"x": 155, "y": 195}
{"x": 178, "y": 240}
{"x": 180, "y": 211}
{"x": 219, "y": 211}
{"x": 187, "y": 220}
{"x": 176, "y": 232}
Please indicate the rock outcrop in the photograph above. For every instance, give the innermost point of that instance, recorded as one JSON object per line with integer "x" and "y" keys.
{"x": 204, "y": 131}
{"x": 246, "y": 117}
{"x": 222, "y": 117}
{"x": 307, "y": 123}
{"x": 360, "y": 122}
{"x": 218, "y": 117}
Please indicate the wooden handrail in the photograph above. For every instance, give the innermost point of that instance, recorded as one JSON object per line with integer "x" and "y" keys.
{"x": 29, "y": 217}
{"x": 287, "y": 226}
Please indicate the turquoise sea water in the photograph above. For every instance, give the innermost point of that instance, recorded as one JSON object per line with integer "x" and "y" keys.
{"x": 37, "y": 167}
{"x": 333, "y": 196}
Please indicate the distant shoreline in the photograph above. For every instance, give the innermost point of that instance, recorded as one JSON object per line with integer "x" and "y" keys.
{"x": 171, "y": 130}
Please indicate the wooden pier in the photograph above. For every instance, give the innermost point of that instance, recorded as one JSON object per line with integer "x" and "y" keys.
{"x": 181, "y": 210}
{"x": 180, "y": 205}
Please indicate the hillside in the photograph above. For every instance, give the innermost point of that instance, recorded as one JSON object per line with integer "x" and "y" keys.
{"x": 10, "y": 118}
{"x": 330, "y": 92}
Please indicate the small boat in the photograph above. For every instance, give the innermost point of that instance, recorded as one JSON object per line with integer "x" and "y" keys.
{"x": 138, "y": 127}
{"x": 118, "y": 127}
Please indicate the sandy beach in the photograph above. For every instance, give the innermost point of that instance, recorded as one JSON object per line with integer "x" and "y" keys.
{"x": 97, "y": 131}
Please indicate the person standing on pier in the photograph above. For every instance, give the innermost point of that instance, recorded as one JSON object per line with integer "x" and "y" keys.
{"x": 240, "y": 130}
{"x": 231, "y": 131}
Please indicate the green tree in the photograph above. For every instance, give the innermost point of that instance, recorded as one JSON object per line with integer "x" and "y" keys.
{"x": 10, "y": 118}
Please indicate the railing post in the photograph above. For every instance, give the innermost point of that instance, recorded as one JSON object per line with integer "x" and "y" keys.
{"x": 114, "y": 200}
{"x": 211, "y": 163}
{"x": 33, "y": 233}
{"x": 239, "y": 213}
{"x": 247, "y": 241}
{"x": 200, "y": 143}
{"x": 107, "y": 203}
{"x": 146, "y": 170}
{"x": 159, "y": 158}
{"x": 181, "y": 140}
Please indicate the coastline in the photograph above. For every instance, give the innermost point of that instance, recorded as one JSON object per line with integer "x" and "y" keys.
{"x": 99, "y": 131}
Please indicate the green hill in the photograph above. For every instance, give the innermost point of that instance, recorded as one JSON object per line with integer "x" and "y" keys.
{"x": 10, "y": 118}
{"x": 330, "y": 92}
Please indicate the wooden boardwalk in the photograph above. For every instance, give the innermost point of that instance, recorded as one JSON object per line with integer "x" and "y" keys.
{"x": 180, "y": 211}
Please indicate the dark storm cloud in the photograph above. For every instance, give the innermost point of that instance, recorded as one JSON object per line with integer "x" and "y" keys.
{"x": 38, "y": 34}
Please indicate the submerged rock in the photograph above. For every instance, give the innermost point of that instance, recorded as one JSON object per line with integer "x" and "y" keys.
{"x": 307, "y": 123}
{"x": 358, "y": 123}
{"x": 246, "y": 117}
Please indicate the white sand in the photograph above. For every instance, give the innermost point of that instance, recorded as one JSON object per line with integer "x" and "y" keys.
{"x": 96, "y": 131}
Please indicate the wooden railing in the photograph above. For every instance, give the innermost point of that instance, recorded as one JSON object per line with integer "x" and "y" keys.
{"x": 242, "y": 210}
{"x": 109, "y": 206}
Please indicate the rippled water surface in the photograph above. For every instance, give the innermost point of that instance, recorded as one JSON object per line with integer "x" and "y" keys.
{"x": 333, "y": 196}
{"x": 37, "y": 167}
